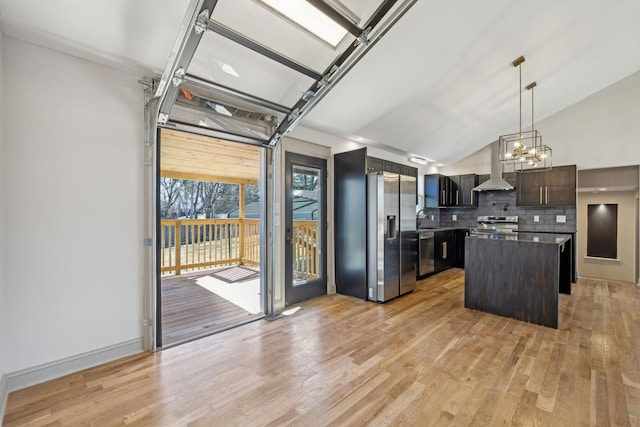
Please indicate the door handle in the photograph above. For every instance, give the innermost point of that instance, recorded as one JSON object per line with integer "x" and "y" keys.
{"x": 391, "y": 227}
{"x": 540, "y": 194}
{"x": 444, "y": 250}
{"x": 457, "y": 197}
{"x": 546, "y": 195}
{"x": 471, "y": 196}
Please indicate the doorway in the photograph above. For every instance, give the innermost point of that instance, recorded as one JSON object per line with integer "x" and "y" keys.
{"x": 209, "y": 235}
{"x": 305, "y": 227}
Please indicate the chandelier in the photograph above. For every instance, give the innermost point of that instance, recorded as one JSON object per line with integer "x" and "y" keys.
{"x": 524, "y": 151}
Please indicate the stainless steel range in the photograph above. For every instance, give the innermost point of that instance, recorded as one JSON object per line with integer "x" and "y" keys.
{"x": 496, "y": 225}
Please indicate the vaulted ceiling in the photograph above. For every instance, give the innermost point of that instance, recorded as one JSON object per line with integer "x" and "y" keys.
{"x": 439, "y": 84}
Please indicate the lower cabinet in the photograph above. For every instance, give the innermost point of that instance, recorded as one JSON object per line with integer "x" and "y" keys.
{"x": 449, "y": 249}
{"x": 444, "y": 251}
{"x": 459, "y": 239}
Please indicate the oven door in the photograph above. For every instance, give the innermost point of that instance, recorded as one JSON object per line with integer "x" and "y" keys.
{"x": 425, "y": 253}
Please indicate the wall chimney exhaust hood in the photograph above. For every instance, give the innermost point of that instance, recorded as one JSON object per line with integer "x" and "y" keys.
{"x": 495, "y": 182}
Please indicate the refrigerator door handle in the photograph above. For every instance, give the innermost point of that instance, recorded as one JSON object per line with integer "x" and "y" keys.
{"x": 392, "y": 230}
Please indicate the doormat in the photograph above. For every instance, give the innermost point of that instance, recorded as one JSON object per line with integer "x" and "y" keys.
{"x": 237, "y": 273}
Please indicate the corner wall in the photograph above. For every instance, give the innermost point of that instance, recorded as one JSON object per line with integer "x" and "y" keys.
{"x": 73, "y": 167}
{"x": 3, "y": 341}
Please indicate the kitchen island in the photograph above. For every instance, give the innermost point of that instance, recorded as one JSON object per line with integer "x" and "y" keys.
{"x": 518, "y": 276}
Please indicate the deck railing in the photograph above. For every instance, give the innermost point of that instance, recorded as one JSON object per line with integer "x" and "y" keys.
{"x": 305, "y": 250}
{"x": 194, "y": 244}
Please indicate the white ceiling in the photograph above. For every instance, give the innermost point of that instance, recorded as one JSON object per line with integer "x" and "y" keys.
{"x": 440, "y": 84}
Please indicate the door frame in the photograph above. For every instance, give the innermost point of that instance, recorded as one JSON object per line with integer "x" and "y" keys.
{"x": 317, "y": 286}
{"x": 297, "y": 146}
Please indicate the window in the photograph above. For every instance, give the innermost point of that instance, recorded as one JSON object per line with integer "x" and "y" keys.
{"x": 308, "y": 18}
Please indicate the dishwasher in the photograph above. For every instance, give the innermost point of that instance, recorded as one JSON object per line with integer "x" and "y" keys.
{"x": 426, "y": 263}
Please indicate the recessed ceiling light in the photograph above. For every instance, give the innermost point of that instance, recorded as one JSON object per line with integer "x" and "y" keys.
{"x": 306, "y": 16}
{"x": 419, "y": 160}
{"x": 602, "y": 189}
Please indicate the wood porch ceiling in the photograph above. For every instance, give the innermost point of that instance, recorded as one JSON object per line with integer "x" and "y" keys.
{"x": 200, "y": 158}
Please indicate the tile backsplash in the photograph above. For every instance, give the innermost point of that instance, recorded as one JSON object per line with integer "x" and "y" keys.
{"x": 501, "y": 203}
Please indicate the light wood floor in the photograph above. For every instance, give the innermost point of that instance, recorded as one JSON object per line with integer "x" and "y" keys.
{"x": 421, "y": 359}
{"x": 190, "y": 311}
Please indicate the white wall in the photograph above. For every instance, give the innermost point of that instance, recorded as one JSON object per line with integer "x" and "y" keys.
{"x": 624, "y": 267}
{"x": 3, "y": 341}
{"x": 73, "y": 169}
{"x": 600, "y": 131}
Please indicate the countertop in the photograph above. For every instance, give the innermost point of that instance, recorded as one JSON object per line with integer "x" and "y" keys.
{"x": 441, "y": 229}
{"x": 558, "y": 239}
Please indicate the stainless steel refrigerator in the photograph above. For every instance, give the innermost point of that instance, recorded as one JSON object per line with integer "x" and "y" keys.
{"x": 391, "y": 235}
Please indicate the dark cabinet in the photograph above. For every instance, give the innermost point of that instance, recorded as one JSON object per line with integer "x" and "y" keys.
{"x": 552, "y": 187}
{"x": 444, "y": 251}
{"x": 449, "y": 191}
{"x": 436, "y": 191}
{"x": 468, "y": 197}
{"x": 379, "y": 165}
{"x": 375, "y": 165}
{"x": 409, "y": 171}
{"x": 350, "y": 230}
{"x": 453, "y": 193}
{"x": 459, "y": 237}
{"x": 392, "y": 167}
{"x": 561, "y": 186}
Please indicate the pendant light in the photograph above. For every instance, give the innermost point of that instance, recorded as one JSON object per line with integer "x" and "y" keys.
{"x": 524, "y": 150}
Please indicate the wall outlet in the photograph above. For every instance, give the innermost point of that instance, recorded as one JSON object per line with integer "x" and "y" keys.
{"x": 561, "y": 218}
{"x": 432, "y": 217}
{"x": 454, "y": 217}
{"x": 536, "y": 218}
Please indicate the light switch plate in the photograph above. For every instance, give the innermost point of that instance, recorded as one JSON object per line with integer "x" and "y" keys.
{"x": 454, "y": 217}
{"x": 561, "y": 218}
{"x": 536, "y": 218}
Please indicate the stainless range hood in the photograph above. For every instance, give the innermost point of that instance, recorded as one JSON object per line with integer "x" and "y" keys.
{"x": 495, "y": 182}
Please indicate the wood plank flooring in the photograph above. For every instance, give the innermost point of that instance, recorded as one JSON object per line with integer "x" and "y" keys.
{"x": 421, "y": 359}
{"x": 190, "y": 311}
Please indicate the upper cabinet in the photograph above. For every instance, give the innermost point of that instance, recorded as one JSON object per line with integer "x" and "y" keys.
{"x": 467, "y": 197}
{"x": 552, "y": 187}
{"x": 379, "y": 165}
{"x": 450, "y": 191}
{"x": 374, "y": 165}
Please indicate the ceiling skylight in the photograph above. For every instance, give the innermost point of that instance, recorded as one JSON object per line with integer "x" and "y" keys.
{"x": 308, "y": 18}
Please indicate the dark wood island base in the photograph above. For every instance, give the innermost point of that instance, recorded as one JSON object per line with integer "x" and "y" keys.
{"x": 518, "y": 276}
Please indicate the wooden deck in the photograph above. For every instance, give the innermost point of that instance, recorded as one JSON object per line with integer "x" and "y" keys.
{"x": 190, "y": 311}
{"x": 421, "y": 359}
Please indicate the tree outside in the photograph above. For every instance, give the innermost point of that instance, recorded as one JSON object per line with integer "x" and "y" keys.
{"x": 181, "y": 198}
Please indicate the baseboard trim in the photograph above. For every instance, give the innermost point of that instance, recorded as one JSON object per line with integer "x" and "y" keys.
{"x": 48, "y": 371}
{"x": 4, "y": 393}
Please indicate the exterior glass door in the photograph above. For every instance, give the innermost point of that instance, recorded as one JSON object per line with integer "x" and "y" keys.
{"x": 305, "y": 228}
